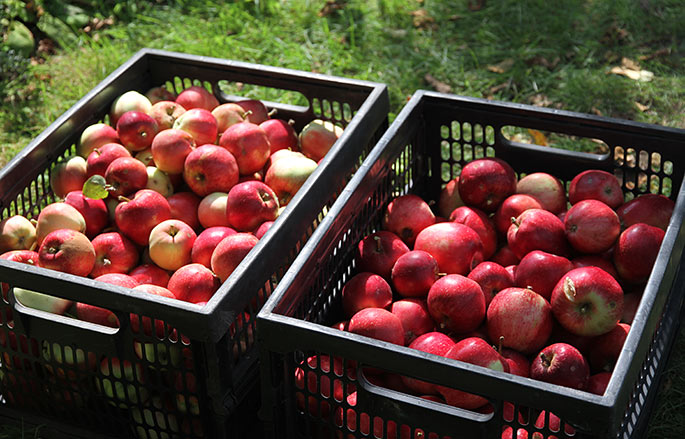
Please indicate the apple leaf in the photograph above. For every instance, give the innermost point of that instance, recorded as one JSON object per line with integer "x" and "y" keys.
{"x": 95, "y": 187}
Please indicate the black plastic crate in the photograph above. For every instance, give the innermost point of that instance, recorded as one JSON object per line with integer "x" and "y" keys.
{"x": 43, "y": 382}
{"x": 426, "y": 146}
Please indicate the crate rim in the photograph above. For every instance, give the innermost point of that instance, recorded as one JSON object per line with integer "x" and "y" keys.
{"x": 269, "y": 320}
{"x": 211, "y": 320}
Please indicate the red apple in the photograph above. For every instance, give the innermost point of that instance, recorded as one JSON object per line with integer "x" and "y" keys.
{"x": 435, "y": 343}
{"x": 211, "y": 211}
{"x": 94, "y": 212}
{"x": 249, "y": 204}
{"x": 199, "y": 123}
{"x": 540, "y": 271}
{"x": 126, "y": 175}
{"x": 67, "y": 251}
{"x": 631, "y": 301}
{"x": 193, "y": 283}
{"x": 227, "y": 115}
{"x": 16, "y": 233}
{"x": 587, "y": 301}
{"x": 546, "y": 189}
{"x": 100, "y": 158}
{"x": 165, "y": 113}
{"x": 318, "y": 137}
{"x": 554, "y": 424}
{"x": 537, "y": 229}
{"x": 184, "y": 206}
{"x": 170, "y": 149}
{"x": 263, "y": 228}
{"x": 505, "y": 257}
{"x": 595, "y": 261}
{"x": 414, "y": 273}
{"x": 415, "y": 317}
{"x": 281, "y": 135}
{"x": 365, "y": 290}
{"x": 136, "y": 217}
{"x": 23, "y": 256}
{"x": 68, "y": 175}
{"x": 56, "y": 216}
{"x": 481, "y": 224}
{"x": 171, "y": 242}
{"x": 512, "y": 207}
{"x": 476, "y": 351}
{"x": 378, "y": 252}
{"x": 249, "y": 145}
{"x": 456, "y": 303}
{"x": 449, "y": 198}
{"x": 286, "y": 176}
{"x": 136, "y": 130}
{"x": 95, "y": 314}
{"x": 598, "y": 383}
{"x": 160, "y": 331}
{"x": 210, "y": 168}
{"x": 652, "y": 209}
{"x": 522, "y": 317}
{"x": 230, "y": 252}
{"x": 206, "y": 242}
{"x": 485, "y": 183}
{"x": 114, "y": 253}
{"x": 606, "y": 348}
{"x": 456, "y": 247}
{"x": 636, "y": 251}
{"x": 595, "y": 184}
{"x": 255, "y": 110}
{"x": 196, "y": 96}
{"x": 95, "y": 136}
{"x": 406, "y": 216}
{"x": 378, "y": 323}
{"x": 518, "y": 363}
{"x": 129, "y": 101}
{"x": 159, "y": 94}
{"x": 150, "y": 274}
{"x": 561, "y": 364}
{"x": 492, "y": 278}
{"x": 591, "y": 226}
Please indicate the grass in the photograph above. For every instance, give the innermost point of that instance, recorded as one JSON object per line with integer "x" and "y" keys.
{"x": 556, "y": 54}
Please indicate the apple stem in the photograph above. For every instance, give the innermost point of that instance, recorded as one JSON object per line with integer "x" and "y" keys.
{"x": 272, "y": 112}
{"x": 513, "y": 220}
{"x": 123, "y": 198}
{"x": 545, "y": 360}
{"x": 34, "y": 222}
{"x": 291, "y": 122}
{"x": 442, "y": 274}
{"x": 499, "y": 346}
{"x": 379, "y": 247}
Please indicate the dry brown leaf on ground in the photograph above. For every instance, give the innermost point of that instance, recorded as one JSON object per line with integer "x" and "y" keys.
{"x": 476, "y": 5}
{"x": 502, "y": 66}
{"x": 661, "y": 52}
{"x": 423, "y": 20}
{"x": 595, "y": 110}
{"x": 544, "y": 62}
{"x": 332, "y": 6}
{"x": 494, "y": 89}
{"x": 439, "y": 86}
{"x": 631, "y": 69}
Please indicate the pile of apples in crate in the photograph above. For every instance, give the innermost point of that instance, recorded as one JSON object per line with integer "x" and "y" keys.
{"x": 504, "y": 275}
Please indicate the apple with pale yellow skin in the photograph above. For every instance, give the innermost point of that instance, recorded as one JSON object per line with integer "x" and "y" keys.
{"x": 171, "y": 243}
{"x": 287, "y": 175}
{"x": 165, "y": 113}
{"x": 56, "y": 216}
{"x": 16, "y": 233}
{"x": 211, "y": 211}
{"x": 68, "y": 175}
{"x": 145, "y": 156}
{"x": 95, "y": 136}
{"x": 158, "y": 181}
{"x": 227, "y": 115}
{"x": 317, "y": 138}
{"x": 129, "y": 101}
{"x": 170, "y": 149}
{"x": 122, "y": 382}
